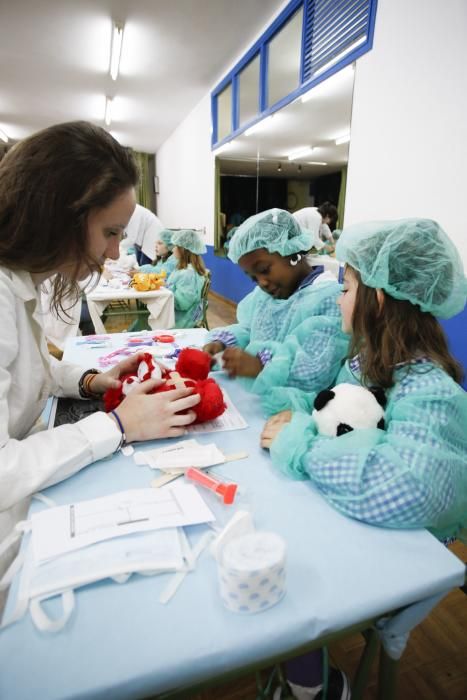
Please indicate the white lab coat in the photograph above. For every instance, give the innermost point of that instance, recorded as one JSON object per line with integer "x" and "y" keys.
{"x": 311, "y": 219}
{"x": 143, "y": 229}
{"x": 28, "y": 376}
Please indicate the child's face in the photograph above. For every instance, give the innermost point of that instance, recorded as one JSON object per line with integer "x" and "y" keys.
{"x": 161, "y": 248}
{"x": 347, "y": 300}
{"x": 272, "y": 272}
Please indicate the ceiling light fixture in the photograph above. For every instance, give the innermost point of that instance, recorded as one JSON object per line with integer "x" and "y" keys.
{"x": 299, "y": 152}
{"x": 259, "y": 126}
{"x": 108, "y": 111}
{"x": 3, "y": 136}
{"x": 116, "y": 50}
{"x": 315, "y": 162}
{"x": 345, "y": 138}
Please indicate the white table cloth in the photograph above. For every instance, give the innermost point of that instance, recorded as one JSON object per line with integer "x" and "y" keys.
{"x": 160, "y": 305}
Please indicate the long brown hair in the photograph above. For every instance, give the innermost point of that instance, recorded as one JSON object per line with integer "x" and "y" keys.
{"x": 394, "y": 332}
{"x": 49, "y": 183}
{"x": 186, "y": 257}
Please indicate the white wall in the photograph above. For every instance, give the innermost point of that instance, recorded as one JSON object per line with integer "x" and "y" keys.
{"x": 185, "y": 162}
{"x": 408, "y": 151}
{"x": 185, "y": 168}
{"x": 408, "y": 148}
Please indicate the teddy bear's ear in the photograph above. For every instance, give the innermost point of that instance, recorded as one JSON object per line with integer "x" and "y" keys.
{"x": 379, "y": 395}
{"x": 323, "y": 398}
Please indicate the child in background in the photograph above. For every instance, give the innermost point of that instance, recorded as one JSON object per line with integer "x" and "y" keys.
{"x": 288, "y": 330}
{"x": 165, "y": 259}
{"x": 187, "y": 280}
{"x": 413, "y": 474}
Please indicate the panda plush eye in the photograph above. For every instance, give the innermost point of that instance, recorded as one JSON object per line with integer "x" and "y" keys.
{"x": 348, "y": 407}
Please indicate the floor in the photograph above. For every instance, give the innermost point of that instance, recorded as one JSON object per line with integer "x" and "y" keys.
{"x": 434, "y": 666}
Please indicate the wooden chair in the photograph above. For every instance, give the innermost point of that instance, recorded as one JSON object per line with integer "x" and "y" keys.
{"x": 202, "y": 322}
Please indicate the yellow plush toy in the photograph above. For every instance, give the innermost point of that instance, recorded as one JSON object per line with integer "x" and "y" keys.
{"x": 148, "y": 281}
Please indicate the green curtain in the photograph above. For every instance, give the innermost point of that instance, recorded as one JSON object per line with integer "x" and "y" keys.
{"x": 143, "y": 193}
{"x": 341, "y": 202}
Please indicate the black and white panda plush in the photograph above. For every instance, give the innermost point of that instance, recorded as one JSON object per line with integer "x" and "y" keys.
{"x": 348, "y": 407}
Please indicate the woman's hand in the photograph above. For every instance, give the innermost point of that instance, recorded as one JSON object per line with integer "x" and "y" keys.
{"x": 238, "y": 363}
{"x": 111, "y": 378}
{"x": 273, "y": 427}
{"x": 146, "y": 416}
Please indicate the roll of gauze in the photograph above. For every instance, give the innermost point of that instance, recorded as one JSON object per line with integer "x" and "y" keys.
{"x": 252, "y": 572}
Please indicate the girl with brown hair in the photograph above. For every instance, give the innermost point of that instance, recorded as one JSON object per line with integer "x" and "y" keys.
{"x": 399, "y": 275}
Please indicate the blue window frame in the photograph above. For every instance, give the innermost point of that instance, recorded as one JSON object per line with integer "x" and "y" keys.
{"x": 334, "y": 34}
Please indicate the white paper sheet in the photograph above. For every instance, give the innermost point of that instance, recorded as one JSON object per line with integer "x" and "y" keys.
{"x": 56, "y": 531}
{"x": 231, "y": 419}
{"x": 188, "y": 453}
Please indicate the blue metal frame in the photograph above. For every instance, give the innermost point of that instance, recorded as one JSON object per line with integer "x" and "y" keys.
{"x": 261, "y": 47}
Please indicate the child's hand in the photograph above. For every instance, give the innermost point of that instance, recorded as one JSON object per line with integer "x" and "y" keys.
{"x": 214, "y": 347}
{"x": 273, "y": 427}
{"x": 238, "y": 363}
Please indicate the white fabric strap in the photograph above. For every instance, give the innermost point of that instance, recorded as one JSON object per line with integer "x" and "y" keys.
{"x": 44, "y": 499}
{"x": 43, "y": 622}
{"x": 22, "y": 598}
{"x": 191, "y": 556}
{"x": 14, "y": 567}
{"x": 14, "y": 535}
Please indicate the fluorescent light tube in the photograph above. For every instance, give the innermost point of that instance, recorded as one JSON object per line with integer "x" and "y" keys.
{"x": 300, "y": 152}
{"x": 116, "y": 50}
{"x": 345, "y": 138}
{"x": 315, "y": 162}
{"x": 108, "y": 111}
{"x": 3, "y": 136}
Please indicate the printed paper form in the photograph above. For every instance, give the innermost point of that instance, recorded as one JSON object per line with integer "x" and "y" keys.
{"x": 56, "y": 531}
{"x": 231, "y": 419}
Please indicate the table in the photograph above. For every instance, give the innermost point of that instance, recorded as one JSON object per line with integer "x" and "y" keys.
{"x": 121, "y": 643}
{"x": 160, "y": 304}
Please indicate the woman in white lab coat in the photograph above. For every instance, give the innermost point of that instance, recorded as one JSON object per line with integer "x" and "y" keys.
{"x": 66, "y": 196}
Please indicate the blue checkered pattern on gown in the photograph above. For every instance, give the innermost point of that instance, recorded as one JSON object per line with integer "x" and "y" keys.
{"x": 223, "y": 336}
{"x": 401, "y": 481}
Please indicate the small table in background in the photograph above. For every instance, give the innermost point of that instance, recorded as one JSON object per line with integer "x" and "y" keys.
{"x": 159, "y": 303}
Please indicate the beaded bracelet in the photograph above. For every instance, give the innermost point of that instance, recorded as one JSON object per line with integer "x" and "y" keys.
{"x": 122, "y": 430}
{"x": 83, "y": 385}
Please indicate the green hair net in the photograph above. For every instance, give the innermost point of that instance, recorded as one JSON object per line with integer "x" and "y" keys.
{"x": 410, "y": 259}
{"x": 190, "y": 239}
{"x": 275, "y": 230}
{"x": 166, "y": 237}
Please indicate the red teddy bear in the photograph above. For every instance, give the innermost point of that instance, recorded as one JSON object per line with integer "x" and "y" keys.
{"x": 192, "y": 369}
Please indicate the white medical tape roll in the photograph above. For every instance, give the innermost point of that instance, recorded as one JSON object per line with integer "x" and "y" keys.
{"x": 252, "y": 572}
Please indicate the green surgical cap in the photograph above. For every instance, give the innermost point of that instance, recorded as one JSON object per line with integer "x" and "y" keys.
{"x": 275, "y": 230}
{"x": 410, "y": 259}
{"x": 189, "y": 239}
{"x": 166, "y": 237}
